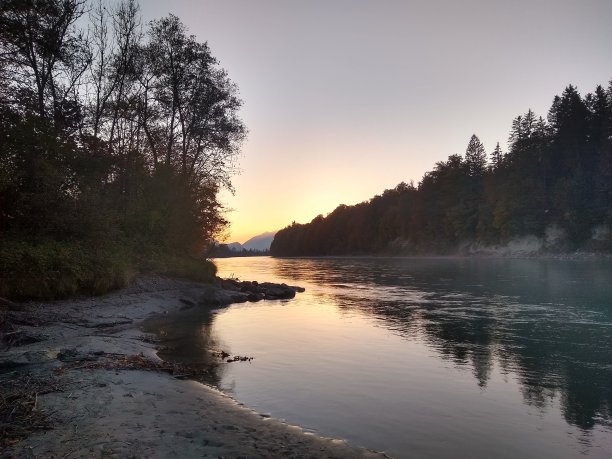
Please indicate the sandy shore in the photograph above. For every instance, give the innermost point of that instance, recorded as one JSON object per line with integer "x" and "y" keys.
{"x": 98, "y": 410}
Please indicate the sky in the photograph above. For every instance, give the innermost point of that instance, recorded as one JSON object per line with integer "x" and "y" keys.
{"x": 344, "y": 99}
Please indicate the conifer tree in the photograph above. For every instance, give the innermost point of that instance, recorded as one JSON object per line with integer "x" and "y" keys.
{"x": 528, "y": 124}
{"x": 475, "y": 157}
{"x": 497, "y": 157}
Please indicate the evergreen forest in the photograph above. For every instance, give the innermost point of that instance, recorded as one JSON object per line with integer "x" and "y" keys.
{"x": 115, "y": 138}
{"x": 551, "y": 190}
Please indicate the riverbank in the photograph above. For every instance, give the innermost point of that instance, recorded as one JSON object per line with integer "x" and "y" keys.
{"x": 491, "y": 255}
{"x": 91, "y": 380}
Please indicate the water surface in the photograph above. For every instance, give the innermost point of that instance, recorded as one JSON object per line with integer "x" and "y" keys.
{"x": 426, "y": 358}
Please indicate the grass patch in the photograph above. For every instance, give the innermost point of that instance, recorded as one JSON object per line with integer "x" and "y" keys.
{"x": 182, "y": 266}
{"x": 50, "y": 270}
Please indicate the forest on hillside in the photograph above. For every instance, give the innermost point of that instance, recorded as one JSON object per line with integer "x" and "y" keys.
{"x": 115, "y": 138}
{"x": 553, "y": 185}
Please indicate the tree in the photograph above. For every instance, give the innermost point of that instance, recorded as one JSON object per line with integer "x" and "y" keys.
{"x": 475, "y": 157}
{"x": 497, "y": 157}
{"x": 547, "y": 177}
{"x": 568, "y": 115}
{"x": 528, "y": 124}
{"x": 43, "y": 56}
{"x": 191, "y": 105}
{"x": 114, "y": 42}
{"x": 47, "y": 55}
{"x": 106, "y": 120}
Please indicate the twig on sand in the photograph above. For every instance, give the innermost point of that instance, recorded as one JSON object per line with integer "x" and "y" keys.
{"x": 112, "y": 361}
{"x": 19, "y": 412}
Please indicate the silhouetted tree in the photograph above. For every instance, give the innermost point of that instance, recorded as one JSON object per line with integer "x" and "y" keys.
{"x": 554, "y": 173}
{"x": 475, "y": 157}
{"x": 115, "y": 134}
{"x": 497, "y": 157}
{"x": 47, "y": 55}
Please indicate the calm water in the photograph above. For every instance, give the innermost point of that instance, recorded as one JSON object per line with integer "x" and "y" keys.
{"x": 425, "y": 358}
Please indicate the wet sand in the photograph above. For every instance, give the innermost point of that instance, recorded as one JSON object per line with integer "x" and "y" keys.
{"x": 108, "y": 412}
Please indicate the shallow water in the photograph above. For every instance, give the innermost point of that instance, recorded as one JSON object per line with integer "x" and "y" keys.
{"x": 426, "y": 358}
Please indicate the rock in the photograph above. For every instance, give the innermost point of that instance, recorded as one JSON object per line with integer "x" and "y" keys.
{"x": 228, "y": 291}
{"x": 277, "y": 291}
{"x": 229, "y": 284}
{"x": 255, "y": 297}
{"x": 213, "y": 296}
{"x": 280, "y": 294}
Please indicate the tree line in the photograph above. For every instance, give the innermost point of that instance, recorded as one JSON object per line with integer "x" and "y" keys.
{"x": 225, "y": 251}
{"x": 554, "y": 182}
{"x": 116, "y": 137}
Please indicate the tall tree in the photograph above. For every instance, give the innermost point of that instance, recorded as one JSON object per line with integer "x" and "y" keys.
{"x": 475, "y": 157}
{"x": 192, "y": 105}
{"x": 114, "y": 41}
{"x": 47, "y": 54}
{"x": 497, "y": 157}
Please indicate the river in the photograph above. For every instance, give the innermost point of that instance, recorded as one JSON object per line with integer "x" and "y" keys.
{"x": 425, "y": 358}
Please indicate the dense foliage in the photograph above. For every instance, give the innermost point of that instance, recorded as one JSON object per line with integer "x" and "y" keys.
{"x": 553, "y": 184}
{"x": 115, "y": 137}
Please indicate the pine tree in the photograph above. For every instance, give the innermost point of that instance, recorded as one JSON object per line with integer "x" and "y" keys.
{"x": 528, "y": 125}
{"x": 475, "y": 157}
{"x": 541, "y": 130}
{"x": 568, "y": 116}
{"x": 515, "y": 132}
{"x": 497, "y": 157}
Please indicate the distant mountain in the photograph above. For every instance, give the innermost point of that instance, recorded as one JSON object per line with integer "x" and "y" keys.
{"x": 235, "y": 246}
{"x": 260, "y": 242}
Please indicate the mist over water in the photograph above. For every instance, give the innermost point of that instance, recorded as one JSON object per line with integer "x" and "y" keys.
{"x": 428, "y": 357}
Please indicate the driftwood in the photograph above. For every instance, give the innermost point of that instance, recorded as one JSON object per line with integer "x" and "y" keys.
{"x": 19, "y": 412}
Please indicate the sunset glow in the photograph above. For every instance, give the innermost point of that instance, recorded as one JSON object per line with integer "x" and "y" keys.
{"x": 346, "y": 99}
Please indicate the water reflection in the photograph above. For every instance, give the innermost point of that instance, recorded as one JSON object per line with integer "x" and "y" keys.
{"x": 187, "y": 337}
{"x": 422, "y": 357}
{"x": 547, "y": 321}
